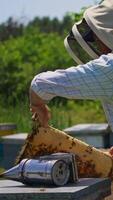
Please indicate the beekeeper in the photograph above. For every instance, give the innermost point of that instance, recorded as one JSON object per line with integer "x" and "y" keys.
{"x": 90, "y": 44}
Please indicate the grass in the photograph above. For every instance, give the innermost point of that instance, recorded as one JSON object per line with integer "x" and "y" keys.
{"x": 63, "y": 116}
{"x": 74, "y": 113}
{"x": 1, "y": 170}
{"x": 18, "y": 114}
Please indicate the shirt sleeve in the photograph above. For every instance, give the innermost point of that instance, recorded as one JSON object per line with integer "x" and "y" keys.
{"x": 93, "y": 80}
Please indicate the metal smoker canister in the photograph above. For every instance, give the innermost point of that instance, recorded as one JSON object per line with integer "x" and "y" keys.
{"x": 32, "y": 171}
{"x": 46, "y": 171}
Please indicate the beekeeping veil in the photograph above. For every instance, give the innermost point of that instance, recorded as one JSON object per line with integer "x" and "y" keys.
{"x": 97, "y": 21}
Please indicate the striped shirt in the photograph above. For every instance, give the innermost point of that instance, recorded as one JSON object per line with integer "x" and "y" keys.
{"x": 93, "y": 80}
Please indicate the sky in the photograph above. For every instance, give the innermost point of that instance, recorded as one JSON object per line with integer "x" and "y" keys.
{"x": 25, "y": 10}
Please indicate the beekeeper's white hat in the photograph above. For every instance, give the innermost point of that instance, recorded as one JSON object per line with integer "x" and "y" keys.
{"x": 97, "y": 20}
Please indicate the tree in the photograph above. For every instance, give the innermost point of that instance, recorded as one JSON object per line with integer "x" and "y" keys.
{"x": 10, "y": 29}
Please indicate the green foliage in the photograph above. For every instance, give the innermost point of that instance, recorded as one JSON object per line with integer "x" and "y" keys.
{"x": 75, "y": 17}
{"x": 47, "y": 25}
{"x": 18, "y": 114}
{"x": 74, "y": 113}
{"x": 28, "y": 50}
{"x": 63, "y": 116}
{"x": 25, "y": 56}
{"x": 10, "y": 29}
{"x": 1, "y": 170}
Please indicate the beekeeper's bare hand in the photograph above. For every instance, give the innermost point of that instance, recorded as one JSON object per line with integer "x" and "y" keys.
{"x": 39, "y": 109}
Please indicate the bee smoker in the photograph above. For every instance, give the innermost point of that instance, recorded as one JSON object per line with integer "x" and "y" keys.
{"x": 57, "y": 169}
